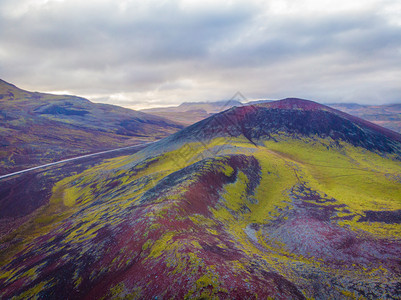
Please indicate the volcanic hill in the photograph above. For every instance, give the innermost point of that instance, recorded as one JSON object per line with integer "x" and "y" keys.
{"x": 292, "y": 118}
{"x": 37, "y": 128}
{"x": 188, "y": 113}
{"x": 289, "y": 200}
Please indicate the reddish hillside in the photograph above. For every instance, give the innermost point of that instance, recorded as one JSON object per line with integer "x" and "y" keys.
{"x": 292, "y": 201}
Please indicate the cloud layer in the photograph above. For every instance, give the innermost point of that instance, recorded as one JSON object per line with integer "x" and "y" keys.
{"x": 151, "y": 53}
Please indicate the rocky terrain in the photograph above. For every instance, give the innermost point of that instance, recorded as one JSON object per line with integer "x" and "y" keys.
{"x": 288, "y": 200}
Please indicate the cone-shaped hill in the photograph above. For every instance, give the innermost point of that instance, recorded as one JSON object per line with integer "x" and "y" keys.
{"x": 289, "y": 200}
{"x": 293, "y": 118}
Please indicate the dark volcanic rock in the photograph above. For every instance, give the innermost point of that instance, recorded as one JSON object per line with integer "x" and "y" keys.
{"x": 388, "y": 217}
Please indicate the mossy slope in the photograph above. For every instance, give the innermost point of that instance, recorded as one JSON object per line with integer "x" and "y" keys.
{"x": 283, "y": 216}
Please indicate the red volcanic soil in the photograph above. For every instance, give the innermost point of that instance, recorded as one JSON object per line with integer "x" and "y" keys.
{"x": 309, "y": 230}
{"x": 154, "y": 275}
{"x": 117, "y": 253}
{"x": 295, "y": 103}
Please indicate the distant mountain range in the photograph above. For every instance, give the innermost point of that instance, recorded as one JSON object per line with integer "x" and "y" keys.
{"x": 188, "y": 113}
{"x": 388, "y": 116}
{"x": 288, "y": 200}
{"x": 37, "y": 128}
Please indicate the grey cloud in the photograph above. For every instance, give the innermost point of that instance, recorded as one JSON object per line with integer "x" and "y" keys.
{"x": 82, "y": 39}
{"x": 104, "y": 48}
{"x": 359, "y": 36}
{"x": 169, "y": 33}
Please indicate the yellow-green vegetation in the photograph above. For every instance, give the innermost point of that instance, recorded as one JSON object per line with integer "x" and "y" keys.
{"x": 106, "y": 195}
{"x": 207, "y": 286}
{"x": 277, "y": 178}
{"x": 360, "y": 179}
{"x": 161, "y": 244}
{"x": 33, "y": 292}
{"x": 70, "y": 196}
{"x": 199, "y": 219}
{"x": 119, "y": 292}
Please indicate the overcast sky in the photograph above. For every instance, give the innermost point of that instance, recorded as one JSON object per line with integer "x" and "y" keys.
{"x": 155, "y": 53}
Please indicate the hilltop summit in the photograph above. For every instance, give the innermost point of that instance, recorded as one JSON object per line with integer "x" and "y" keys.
{"x": 295, "y": 118}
